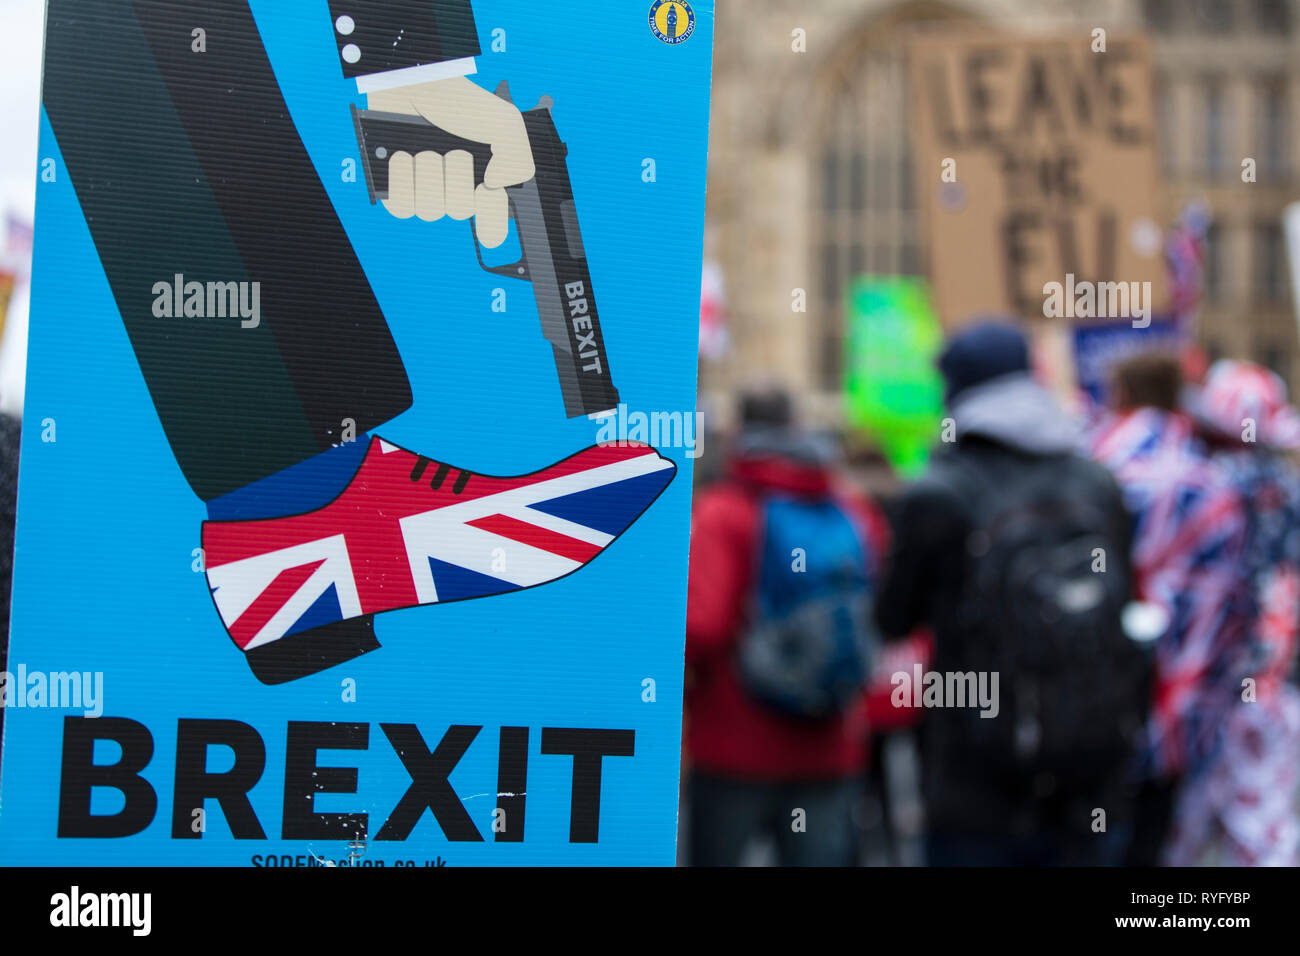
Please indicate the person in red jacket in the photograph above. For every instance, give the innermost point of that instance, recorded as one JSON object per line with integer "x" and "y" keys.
{"x": 753, "y": 770}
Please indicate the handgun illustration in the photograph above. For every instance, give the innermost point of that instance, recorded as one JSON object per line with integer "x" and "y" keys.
{"x": 546, "y": 222}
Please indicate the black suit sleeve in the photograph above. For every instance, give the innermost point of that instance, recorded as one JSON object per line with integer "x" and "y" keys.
{"x": 190, "y": 164}
{"x": 375, "y": 36}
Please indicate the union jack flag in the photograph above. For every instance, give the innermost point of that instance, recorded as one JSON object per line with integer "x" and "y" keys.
{"x": 1185, "y": 257}
{"x": 1189, "y": 536}
{"x": 408, "y": 530}
{"x": 1242, "y": 804}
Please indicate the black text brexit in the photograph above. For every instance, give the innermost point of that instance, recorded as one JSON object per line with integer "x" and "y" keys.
{"x": 303, "y": 778}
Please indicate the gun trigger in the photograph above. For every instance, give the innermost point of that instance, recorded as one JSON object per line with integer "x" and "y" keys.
{"x": 512, "y": 270}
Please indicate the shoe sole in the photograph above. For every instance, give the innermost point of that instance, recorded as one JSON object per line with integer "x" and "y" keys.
{"x": 312, "y": 651}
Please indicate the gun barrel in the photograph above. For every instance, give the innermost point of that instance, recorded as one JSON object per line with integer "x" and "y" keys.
{"x": 557, "y": 264}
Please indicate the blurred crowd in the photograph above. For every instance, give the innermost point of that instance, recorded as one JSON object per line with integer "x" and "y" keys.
{"x": 1085, "y": 617}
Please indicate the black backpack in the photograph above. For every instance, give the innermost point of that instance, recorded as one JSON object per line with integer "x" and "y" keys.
{"x": 1044, "y": 589}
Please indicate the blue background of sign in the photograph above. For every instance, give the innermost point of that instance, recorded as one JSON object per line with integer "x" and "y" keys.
{"x": 107, "y": 524}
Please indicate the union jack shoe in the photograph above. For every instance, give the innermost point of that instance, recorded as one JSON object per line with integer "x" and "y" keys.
{"x": 297, "y": 594}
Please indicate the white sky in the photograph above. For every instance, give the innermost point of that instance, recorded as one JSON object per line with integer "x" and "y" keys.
{"x": 20, "y": 89}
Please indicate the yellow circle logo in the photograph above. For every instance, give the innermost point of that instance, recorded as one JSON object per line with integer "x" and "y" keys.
{"x": 672, "y": 21}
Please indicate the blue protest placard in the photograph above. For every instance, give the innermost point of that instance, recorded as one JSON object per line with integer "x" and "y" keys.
{"x": 327, "y": 551}
{"x": 1099, "y": 345}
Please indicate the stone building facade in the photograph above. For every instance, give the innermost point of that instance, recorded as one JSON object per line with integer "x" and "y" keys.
{"x": 810, "y": 177}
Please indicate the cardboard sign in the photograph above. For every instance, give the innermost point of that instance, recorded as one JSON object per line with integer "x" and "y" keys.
{"x": 1035, "y": 164}
{"x": 330, "y": 546}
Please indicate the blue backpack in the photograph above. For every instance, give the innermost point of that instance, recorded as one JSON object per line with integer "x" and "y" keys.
{"x": 807, "y": 649}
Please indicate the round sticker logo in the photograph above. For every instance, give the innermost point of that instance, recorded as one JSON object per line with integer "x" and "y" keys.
{"x": 672, "y": 21}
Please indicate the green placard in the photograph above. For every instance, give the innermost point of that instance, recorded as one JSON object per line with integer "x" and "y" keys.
{"x": 893, "y": 392}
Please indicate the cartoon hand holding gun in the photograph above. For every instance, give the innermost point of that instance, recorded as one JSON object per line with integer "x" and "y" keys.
{"x": 449, "y": 147}
{"x": 429, "y": 184}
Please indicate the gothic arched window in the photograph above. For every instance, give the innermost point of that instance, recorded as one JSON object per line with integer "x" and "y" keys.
{"x": 865, "y": 222}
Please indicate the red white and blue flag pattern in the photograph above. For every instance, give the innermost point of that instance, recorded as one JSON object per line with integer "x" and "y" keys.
{"x": 408, "y": 531}
{"x": 1189, "y": 537}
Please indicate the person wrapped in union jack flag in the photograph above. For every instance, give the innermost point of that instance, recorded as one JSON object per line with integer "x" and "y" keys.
{"x": 1189, "y": 538}
{"x": 1241, "y": 810}
{"x": 191, "y": 166}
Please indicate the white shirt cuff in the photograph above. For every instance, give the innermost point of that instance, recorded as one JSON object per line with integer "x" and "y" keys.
{"x": 425, "y": 73}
